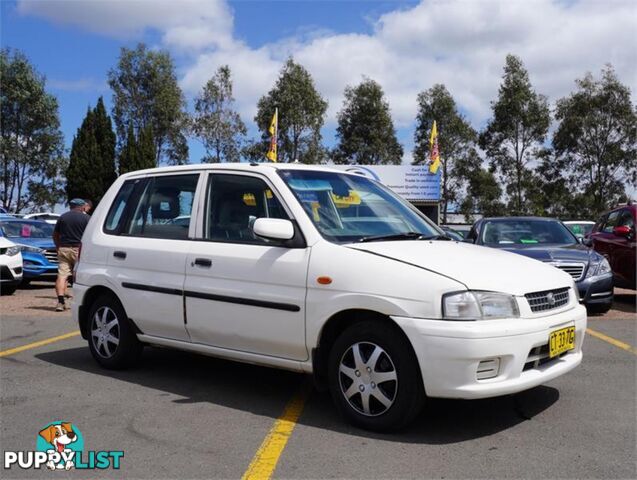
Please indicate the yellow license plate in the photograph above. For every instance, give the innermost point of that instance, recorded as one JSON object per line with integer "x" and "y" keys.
{"x": 561, "y": 341}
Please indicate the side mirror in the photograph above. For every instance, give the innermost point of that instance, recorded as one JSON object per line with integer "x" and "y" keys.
{"x": 588, "y": 241}
{"x": 273, "y": 228}
{"x": 622, "y": 231}
{"x": 467, "y": 240}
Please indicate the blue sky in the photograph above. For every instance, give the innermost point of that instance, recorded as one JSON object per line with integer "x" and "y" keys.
{"x": 406, "y": 46}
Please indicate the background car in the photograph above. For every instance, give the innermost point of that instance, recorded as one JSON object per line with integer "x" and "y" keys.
{"x": 613, "y": 236}
{"x": 49, "y": 217}
{"x": 35, "y": 241}
{"x": 451, "y": 233}
{"x": 548, "y": 240}
{"x": 580, "y": 228}
{"x": 10, "y": 266}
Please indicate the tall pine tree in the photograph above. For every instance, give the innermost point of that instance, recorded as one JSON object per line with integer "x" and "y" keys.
{"x": 91, "y": 169}
{"x": 365, "y": 129}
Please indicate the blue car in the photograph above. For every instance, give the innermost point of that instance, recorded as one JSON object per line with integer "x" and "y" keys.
{"x": 35, "y": 239}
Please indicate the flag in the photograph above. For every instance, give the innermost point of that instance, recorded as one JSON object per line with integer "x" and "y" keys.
{"x": 434, "y": 155}
{"x": 274, "y": 130}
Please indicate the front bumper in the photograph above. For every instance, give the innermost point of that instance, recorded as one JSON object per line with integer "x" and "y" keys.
{"x": 449, "y": 353}
{"x": 10, "y": 269}
{"x": 596, "y": 290}
{"x": 38, "y": 266}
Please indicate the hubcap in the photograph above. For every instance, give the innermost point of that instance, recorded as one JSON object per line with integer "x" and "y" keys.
{"x": 105, "y": 332}
{"x": 368, "y": 379}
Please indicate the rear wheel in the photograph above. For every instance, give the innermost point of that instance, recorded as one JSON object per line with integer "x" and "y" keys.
{"x": 112, "y": 339}
{"x": 374, "y": 377}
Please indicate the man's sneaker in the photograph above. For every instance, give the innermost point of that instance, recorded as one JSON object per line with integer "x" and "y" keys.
{"x": 60, "y": 307}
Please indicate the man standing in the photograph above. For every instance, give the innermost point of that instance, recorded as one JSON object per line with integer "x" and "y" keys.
{"x": 67, "y": 237}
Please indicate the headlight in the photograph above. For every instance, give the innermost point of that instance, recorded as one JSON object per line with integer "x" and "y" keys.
{"x": 26, "y": 248}
{"x": 11, "y": 251}
{"x": 473, "y": 305}
{"x": 596, "y": 269}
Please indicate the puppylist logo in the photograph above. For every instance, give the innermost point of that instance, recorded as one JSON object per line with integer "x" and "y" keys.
{"x": 60, "y": 446}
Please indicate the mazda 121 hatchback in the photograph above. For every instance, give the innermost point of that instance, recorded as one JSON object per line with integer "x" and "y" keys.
{"x": 319, "y": 271}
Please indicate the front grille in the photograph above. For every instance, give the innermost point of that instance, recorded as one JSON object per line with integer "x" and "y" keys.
{"x": 575, "y": 270}
{"x": 51, "y": 255}
{"x": 548, "y": 299}
{"x": 539, "y": 356}
{"x": 3, "y": 251}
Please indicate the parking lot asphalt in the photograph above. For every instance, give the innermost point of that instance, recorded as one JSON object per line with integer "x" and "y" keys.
{"x": 180, "y": 415}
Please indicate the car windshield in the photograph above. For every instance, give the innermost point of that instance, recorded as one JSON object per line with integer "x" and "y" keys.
{"x": 504, "y": 233}
{"x": 349, "y": 208}
{"x": 27, "y": 229}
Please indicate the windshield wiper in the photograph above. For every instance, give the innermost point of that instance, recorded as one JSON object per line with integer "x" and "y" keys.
{"x": 437, "y": 237}
{"x": 393, "y": 236}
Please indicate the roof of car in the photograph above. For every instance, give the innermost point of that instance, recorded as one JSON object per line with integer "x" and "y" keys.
{"x": 244, "y": 166}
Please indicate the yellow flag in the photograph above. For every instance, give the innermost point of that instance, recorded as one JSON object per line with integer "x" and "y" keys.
{"x": 274, "y": 130}
{"x": 434, "y": 155}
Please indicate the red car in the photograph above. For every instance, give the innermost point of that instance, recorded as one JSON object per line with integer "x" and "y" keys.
{"x": 613, "y": 236}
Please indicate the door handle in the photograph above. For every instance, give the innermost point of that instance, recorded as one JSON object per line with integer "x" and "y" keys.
{"x": 202, "y": 262}
{"x": 119, "y": 254}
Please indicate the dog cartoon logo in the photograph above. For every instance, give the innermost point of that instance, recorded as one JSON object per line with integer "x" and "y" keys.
{"x": 60, "y": 436}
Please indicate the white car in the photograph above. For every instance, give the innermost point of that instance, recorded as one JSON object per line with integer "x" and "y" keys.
{"x": 319, "y": 271}
{"x": 49, "y": 217}
{"x": 10, "y": 266}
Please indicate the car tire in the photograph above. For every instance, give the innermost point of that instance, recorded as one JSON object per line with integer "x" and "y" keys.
{"x": 374, "y": 377}
{"x": 8, "y": 290}
{"x": 112, "y": 338}
{"x": 599, "y": 309}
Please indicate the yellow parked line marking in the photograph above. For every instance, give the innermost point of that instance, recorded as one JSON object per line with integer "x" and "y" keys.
{"x": 41, "y": 343}
{"x": 612, "y": 341}
{"x": 267, "y": 456}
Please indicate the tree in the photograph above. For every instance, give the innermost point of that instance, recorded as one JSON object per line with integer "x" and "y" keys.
{"x": 365, "y": 130}
{"x": 138, "y": 153}
{"x": 91, "y": 169}
{"x": 456, "y": 141}
{"x": 516, "y": 132}
{"x": 217, "y": 125}
{"x": 483, "y": 195}
{"x": 301, "y": 113}
{"x": 31, "y": 149}
{"x": 597, "y": 135}
{"x": 146, "y": 93}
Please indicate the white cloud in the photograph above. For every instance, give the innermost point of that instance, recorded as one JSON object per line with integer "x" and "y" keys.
{"x": 457, "y": 42}
{"x": 83, "y": 84}
{"x": 184, "y": 24}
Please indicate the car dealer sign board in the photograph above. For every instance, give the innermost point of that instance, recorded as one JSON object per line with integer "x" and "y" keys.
{"x": 412, "y": 182}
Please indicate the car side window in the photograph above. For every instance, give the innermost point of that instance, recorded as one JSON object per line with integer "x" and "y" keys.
{"x": 611, "y": 222}
{"x": 626, "y": 219}
{"x": 165, "y": 207}
{"x": 115, "y": 218}
{"x": 233, "y": 203}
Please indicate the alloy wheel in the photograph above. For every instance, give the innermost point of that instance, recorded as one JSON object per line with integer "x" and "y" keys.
{"x": 368, "y": 379}
{"x": 105, "y": 333}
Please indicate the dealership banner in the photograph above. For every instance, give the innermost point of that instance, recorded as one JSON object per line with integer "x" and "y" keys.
{"x": 412, "y": 182}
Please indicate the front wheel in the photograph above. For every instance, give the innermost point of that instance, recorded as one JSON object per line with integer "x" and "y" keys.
{"x": 112, "y": 339}
{"x": 374, "y": 377}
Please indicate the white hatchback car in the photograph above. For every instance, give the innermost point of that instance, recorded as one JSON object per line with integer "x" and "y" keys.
{"x": 10, "y": 266}
{"x": 320, "y": 271}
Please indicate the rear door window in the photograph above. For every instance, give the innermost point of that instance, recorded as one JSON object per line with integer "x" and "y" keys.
{"x": 116, "y": 215}
{"x": 165, "y": 208}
